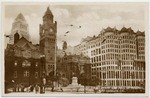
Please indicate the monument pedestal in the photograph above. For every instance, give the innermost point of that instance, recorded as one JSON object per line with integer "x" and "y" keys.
{"x": 74, "y": 81}
{"x": 74, "y": 86}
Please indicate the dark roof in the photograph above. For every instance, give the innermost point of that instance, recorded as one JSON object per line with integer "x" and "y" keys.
{"x": 138, "y": 33}
{"x": 86, "y": 39}
{"x": 48, "y": 12}
{"x": 23, "y": 42}
{"x": 109, "y": 29}
{"x": 20, "y": 16}
{"x": 77, "y": 56}
{"x": 124, "y": 29}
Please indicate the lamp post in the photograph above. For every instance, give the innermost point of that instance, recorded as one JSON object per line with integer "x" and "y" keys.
{"x": 43, "y": 80}
{"x": 85, "y": 81}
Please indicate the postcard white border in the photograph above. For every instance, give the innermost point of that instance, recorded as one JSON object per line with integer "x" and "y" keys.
{"x": 72, "y": 3}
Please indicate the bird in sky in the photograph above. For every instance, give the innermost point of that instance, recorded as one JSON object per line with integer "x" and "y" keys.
{"x": 71, "y": 25}
{"x": 7, "y": 36}
{"x": 67, "y": 32}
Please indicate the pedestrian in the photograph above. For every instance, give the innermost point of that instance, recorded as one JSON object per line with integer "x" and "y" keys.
{"x": 31, "y": 88}
{"x": 61, "y": 88}
{"x": 36, "y": 88}
{"x": 52, "y": 88}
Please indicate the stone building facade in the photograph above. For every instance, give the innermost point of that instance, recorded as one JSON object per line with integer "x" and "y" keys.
{"x": 114, "y": 55}
{"x": 21, "y": 27}
{"x": 48, "y": 34}
{"x": 73, "y": 65}
{"x": 22, "y": 64}
{"x": 27, "y": 63}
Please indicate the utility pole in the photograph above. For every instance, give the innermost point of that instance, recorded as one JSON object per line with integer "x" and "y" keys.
{"x": 55, "y": 59}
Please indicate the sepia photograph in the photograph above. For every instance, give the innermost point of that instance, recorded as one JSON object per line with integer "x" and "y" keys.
{"x": 74, "y": 48}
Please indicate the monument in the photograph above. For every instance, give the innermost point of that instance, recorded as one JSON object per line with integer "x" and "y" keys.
{"x": 74, "y": 82}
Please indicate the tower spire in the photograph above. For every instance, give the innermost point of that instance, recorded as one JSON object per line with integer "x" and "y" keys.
{"x": 48, "y": 8}
{"x": 48, "y": 11}
{"x": 48, "y": 16}
{"x": 50, "y": 27}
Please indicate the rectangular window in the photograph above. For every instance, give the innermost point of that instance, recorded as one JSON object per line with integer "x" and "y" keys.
{"x": 15, "y": 74}
{"x": 26, "y": 73}
{"x": 36, "y": 74}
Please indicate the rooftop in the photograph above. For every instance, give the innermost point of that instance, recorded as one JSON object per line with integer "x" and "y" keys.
{"x": 20, "y": 17}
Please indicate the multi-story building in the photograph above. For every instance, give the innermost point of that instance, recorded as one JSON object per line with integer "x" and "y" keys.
{"x": 48, "y": 33}
{"x": 21, "y": 27}
{"x": 73, "y": 65}
{"x": 22, "y": 64}
{"x": 26, "y": 63}
{"x": 70, "y": 64}
{"x": 114, "y": 55}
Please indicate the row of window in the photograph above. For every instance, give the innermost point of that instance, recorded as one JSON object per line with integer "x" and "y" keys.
{"x": 140, "y": 67}
{"x": 141, "y": 52}
{"x": 128, "y": 41}
{"x": 25, "y": 74}
{"x": 113, "y": 57}
{"x": 23, "y": 27}
{"x": 141, "y": 57}
{"x": 115, "y": 46}
{"x": 141, "y": 44}
{"x": 50, "y": 67}
{"x": 110, "y": 39}
{"x": 127, "y": 37}
{"x": 122, "y": 83}
{"x": 98, "y": 51}
{"x": 15, "y": 25}
{"x": 120, "y": 74}
{"x": 95, "y": 52}
{"x": 141, "y": 39}
{"x": 129, "y": 50}
{"x": 128, "y": 46}
{"x": 141, "y": 48}
{"x": 25, "y": 63}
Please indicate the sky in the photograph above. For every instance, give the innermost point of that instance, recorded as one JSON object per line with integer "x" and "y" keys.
{"x": 91, "y": 17}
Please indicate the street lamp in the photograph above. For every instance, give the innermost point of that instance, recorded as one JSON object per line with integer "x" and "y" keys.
{"x": 85, "y": 82}
{"x": 43, "y": 80}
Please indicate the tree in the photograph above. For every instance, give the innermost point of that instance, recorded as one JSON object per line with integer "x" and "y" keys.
{"x": 64, "y": 81}
{"x": 95, "y": 81}
{"x": 84, "y": 80}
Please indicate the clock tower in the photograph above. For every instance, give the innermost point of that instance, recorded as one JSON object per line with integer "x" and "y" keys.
{"x": 48, "y": 34}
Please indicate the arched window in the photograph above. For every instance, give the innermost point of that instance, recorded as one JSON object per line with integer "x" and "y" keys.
{"x": 15, "y": 74}
{"x": 36, "y": 74}
{"x": 26, "y": 64}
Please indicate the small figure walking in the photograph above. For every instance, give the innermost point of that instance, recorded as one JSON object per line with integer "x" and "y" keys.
{"x": 36, "y": 88}
{"x": 31, "y": 88}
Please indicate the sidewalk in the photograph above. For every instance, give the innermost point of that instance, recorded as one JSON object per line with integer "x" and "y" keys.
{"x": 47, "y": 93}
